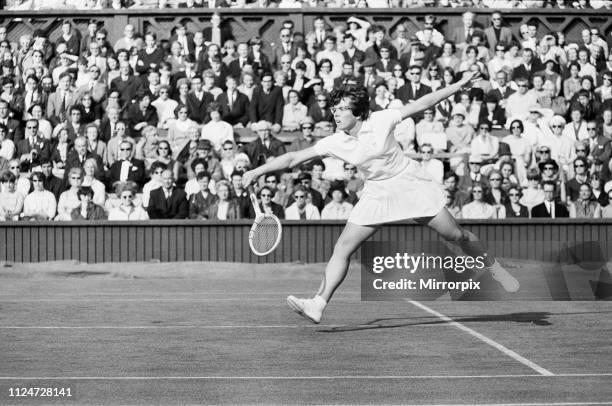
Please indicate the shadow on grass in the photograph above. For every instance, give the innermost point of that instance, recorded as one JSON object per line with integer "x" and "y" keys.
{"x": 535, "y": 318}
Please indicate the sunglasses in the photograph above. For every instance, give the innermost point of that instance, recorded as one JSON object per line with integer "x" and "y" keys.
{"x": 579, "y": 166}
{"x": 591, "y": 128}
{"x": 75, "y": 177}
{"x": 522, "y": 85}
{"x": 545, "y": 151}
{"x": 581, "y": 150}
{"x": 14, "y": 167}
{"x": 228, "y": 149}
{"x": 299, "y": 196}
{"x": 163, "y": 148}
{"x": 125, "y": 149}
{"x": 306, "y": 127}
{"x": 557, "y": 126}
{"x": 127, "y": 196}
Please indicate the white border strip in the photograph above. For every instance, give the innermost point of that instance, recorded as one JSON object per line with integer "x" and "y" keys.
{"x": 487, "y": 340}
{"x": 299, "y": 378}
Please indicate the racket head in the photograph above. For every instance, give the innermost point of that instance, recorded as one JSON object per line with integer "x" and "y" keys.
{"x": 265, "y": 234}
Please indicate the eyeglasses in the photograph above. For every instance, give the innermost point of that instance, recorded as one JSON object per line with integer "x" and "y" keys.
{"x": 556, "y": 126}
{"x": 522, "y": 85}
{"x": 125, "y": 149}
{"x": 591, "y": 128}
{"x": 14, "y": 167}
{"x": 75, "y": 177}
{"x": 228, "y": 149}
{"x": 415, "y": 73}
{"x": 578, "y": 165}
{"x": 299, "y": 196}
{"x": 284, "y": 35}
{"x": 158, "y": 172}
{"x": 127, "y": 197}
{"x": 343, "y": 108}
{"x": 580, "y": 150}
{"x": 545, "y": 151}
{"x": 100, "y": 38}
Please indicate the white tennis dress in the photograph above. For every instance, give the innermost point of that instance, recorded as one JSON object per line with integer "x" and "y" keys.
{"x": 396, "y": 187}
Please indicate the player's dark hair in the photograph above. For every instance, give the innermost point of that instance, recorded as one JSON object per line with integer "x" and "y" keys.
{"x": 358, "y": 99}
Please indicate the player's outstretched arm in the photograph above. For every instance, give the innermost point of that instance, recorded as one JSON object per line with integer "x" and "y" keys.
{"x": 288, "y": 160}
{"x": 434, "y": 98}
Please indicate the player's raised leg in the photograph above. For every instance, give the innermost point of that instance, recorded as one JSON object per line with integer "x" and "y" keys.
{"x": 351, "y": 238}
{"x": 447, "y": 226}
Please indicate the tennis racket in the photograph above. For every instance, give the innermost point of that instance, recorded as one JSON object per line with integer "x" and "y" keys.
{"x": 266, "y": 231}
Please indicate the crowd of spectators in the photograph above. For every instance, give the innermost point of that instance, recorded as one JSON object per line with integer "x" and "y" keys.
{"x": 164, "y": 128}
{"x": 151, "y": 4}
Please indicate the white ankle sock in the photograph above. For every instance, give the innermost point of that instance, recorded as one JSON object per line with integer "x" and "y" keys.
{"x": 319, "y": 301}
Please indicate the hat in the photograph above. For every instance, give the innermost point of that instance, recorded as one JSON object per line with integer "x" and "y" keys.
{"x": 369, "y": 62}
{"x": 304, "y": 176}
{"x": 475, "y": 159}
{"x": 261, "y": 125}
{"x": 550, "y": 59}
{"x": 307, "y": 120}
{"x": 552, "y": 162}
{"x": 557, "y": 119}
{"x": 543, "y": 148}
{"x": 8, "y": 81}
{"x": 459, "y": 109}
{"x": 384, "y": 45}
{"x": 338, "y": 185}
{"x": 204, "y": 144}
{"x": 491, "y": 98}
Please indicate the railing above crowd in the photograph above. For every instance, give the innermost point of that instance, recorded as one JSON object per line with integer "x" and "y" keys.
{"x": 265, "y": 22}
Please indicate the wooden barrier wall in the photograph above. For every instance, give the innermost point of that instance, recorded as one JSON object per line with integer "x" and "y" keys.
{"x": 266, "y": 23}
{"x": 166, "y": 241}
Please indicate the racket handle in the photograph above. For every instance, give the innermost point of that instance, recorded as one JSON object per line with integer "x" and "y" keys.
{"x": 254, "y": 201}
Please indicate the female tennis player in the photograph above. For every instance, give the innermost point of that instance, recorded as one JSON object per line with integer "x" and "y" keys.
{"x": 396, "y": 187}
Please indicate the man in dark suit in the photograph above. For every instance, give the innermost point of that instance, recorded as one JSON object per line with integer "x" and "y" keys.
{"x": 600, "y": 147}
{"x": 126, "y": 168}
{"x": 496, "y": 34}
{"x": 184, "y": 38}
{"x": 267, "y": 103}
{"x": 265, "y": 146}
{"x": 284, "y": 47}
{"x": 168, "y": 202}
{"x": 503, "y": 90}
{"x": 528, "y": 67}
{"x": 218, "y": 32}
{"x": 413, "y": 89}
{"x": 305, "y": 180}
{"x": 461, "y": 34}
{"x": 77, "y": 157}
{"x": 107, "y": 126}
{"x": 51, "y": 182}
{"x": 14, "y": 130}
{"x": 549, "y": 208}
{"x": 352, "y": 54}
{"x": 33, "y": 147}
{"x": 235, "y": 66}
{"x": 234, "y": 105}
{"x": 198, "y": 100}
{"x": 126, "y": 83}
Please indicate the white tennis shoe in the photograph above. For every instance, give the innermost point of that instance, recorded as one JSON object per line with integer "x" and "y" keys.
{"x": 310, "y": 309}
{"x": 504, "y": 278}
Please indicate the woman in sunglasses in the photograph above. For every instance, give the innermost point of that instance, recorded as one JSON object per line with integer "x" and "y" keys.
{"x": 396, "y": 187}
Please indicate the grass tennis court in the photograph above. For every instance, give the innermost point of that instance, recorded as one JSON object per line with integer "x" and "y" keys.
{"x": 219, "y": 333}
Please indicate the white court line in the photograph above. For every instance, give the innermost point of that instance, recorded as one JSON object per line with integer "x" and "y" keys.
{"x": 213, "y": 327}
{"x": 484, "y": 339}
{"x": 298, "y": 378}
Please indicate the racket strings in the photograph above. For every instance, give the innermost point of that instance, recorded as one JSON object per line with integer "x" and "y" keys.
{"x": 265, "y": 235}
